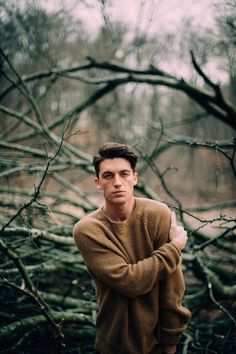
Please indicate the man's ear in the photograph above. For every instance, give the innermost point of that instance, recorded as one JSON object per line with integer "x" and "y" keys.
{"x": 135, "y": 178}
{"x": 97, "y": 183}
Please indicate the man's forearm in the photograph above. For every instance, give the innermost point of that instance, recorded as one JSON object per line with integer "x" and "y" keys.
{"x": 173, "y": 316}
{"x": 130, "y": 280}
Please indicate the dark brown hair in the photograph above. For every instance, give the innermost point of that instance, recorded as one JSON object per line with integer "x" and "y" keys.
{"x": 112, "y": 150}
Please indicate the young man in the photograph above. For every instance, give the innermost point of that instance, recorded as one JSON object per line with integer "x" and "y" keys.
{"x": 132, "y": 248}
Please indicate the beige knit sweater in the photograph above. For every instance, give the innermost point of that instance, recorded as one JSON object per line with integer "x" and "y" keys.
{"x": 138, "y": 277}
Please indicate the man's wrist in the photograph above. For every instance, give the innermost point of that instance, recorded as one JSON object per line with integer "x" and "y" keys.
{"x": 168, "y": 349}
{"x": 175, "y": 247}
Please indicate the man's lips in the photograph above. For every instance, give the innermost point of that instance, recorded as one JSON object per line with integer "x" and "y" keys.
{"x": 118, "y": 192}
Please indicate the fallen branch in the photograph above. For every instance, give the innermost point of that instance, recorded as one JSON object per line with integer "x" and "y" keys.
{"x": 25, "y": 324}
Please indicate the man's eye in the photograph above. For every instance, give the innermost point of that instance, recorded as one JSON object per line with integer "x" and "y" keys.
{"x": 124, "y": 174}
{"x": 107, "y": 176}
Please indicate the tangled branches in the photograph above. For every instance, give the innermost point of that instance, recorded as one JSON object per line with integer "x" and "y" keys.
{"x": 46, "y": 291}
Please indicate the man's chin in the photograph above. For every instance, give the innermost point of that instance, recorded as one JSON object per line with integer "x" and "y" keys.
{"x": 119, "y": 199}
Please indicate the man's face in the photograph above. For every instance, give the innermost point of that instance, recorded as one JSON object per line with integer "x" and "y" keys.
{"x": 116, "y": 180}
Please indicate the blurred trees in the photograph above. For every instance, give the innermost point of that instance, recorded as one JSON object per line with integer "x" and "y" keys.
{"x": 56, "y": 107}
{"x": 227, "y": 25}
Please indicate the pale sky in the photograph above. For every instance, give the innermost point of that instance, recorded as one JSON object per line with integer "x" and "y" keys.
{"x": 147, "y": 15}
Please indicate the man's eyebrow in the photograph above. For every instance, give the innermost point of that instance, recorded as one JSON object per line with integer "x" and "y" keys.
{"x": 104, "y": 172}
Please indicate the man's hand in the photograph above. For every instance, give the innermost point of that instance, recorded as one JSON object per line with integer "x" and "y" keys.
{"x": 170, "y": 349}
{"x": 178, "y": 236}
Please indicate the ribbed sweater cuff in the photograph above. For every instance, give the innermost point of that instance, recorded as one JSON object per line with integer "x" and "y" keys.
{"x": 173, "y": 249}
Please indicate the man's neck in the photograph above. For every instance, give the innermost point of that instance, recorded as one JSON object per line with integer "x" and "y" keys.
{"x": 119, "y": 212}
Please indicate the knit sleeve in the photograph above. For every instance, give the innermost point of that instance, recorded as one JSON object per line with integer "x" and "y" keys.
{"x": 173, "y": 316}
{"x": 110, "y": 266}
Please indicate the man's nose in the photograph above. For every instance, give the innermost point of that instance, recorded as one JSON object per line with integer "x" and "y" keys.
{"x": 117, "y": 181}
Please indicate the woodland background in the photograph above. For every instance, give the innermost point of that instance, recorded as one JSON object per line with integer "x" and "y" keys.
{"x": 63, "y": 92}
